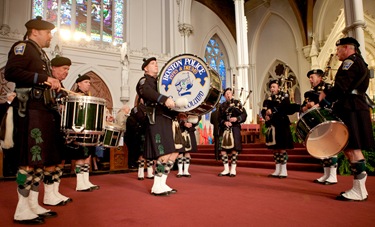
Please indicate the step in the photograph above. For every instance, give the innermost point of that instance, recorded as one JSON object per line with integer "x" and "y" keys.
{"x": 264, "y": 165}
{"x": 257, "y": 155}
{"x": 261, "y": 157}
{"x": 297, "y": 151}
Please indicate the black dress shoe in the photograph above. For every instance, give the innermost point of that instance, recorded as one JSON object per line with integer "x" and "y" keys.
{"x": 274, "y": 176}
{"x": 141, "y": 178}
{"x": 62, "y": 203}
{"x": 179, "y": 175}
{"x": 223, "y": 175}
{"x": 35, "y": 221}
{"x": 48, "y": 214}
{"x": 329, "y": 183}
{"x": 232, "y": 175}
{"x": 282, "y": 177}
{"x": 85, "y": 190}
{"x": 173, "y": 191}
{"x": 318, "y": 182}
{"x": 187, "y": 175}
{"x": 95, "y": 187}
{"x": 150, "y": 177}
{"x": 343, "y": 198}
{"x": 69, "y": 200}
{"x": 160, "y": 194}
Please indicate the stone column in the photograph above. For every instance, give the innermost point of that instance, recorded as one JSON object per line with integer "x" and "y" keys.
{"x": 185, "y": 30}
{"x": 355, "y": 22}
{"x": 242, "y": 50}
{"x": 5, "y": 29}
{"x": 184, "y": 22}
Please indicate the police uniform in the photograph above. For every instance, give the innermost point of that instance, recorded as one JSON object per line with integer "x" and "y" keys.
{"x": 158, "y": 135}
{"x": 29, "y": 67}
{"x": 329, "y": 164}
{"x": 348, "y": 96}
{"x": 279, "y": 136}
{"x": 56, "y": 97}
{"x": 159, "y": 138}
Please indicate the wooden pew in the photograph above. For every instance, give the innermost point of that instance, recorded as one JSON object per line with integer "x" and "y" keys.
{"x": 250, "y": 133}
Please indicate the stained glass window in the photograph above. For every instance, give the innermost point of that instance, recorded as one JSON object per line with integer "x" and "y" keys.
{"x": 102, "y": 20}
{"x": 119, "y": 21}
{"x": 65, "y": 14}
{"x": 38, "y": 8}
{"x": 215, "y": 56}
{"x": 52, "y": 11}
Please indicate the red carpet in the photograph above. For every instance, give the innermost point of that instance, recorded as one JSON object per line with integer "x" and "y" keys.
{"x": 250, "y": 199}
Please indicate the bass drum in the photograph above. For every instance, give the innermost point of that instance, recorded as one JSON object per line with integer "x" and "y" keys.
{"x": 324, "y": 134}
{"x": 191, "y": 83}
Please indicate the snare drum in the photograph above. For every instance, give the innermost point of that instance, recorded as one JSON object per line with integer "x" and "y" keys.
{"x": 112, "y": 135}
{"x": 82, "y": 119}
{"x": 324, "y": 134}
{"x": 187, "y": 77}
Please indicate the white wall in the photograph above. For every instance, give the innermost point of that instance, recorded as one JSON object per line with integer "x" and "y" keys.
{"x": 274, "y": 35}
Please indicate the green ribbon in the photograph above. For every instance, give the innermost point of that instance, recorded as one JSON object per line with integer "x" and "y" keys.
{"x": 157, "y": 138}
{"x": 37, "y": 135}
{"x": 35, "y": 151}
{"x": 161, "y": 149}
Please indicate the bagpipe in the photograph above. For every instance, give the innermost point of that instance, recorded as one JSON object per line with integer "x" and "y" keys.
{"x": 235, "y": 107}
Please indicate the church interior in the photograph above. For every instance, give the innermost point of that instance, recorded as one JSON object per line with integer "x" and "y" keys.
{"x": 242, "y": 44}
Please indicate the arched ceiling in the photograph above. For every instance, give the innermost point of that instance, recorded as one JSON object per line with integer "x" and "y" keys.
{"x": 226, "y": 12}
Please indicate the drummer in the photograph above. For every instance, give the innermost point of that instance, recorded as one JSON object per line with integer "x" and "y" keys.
{"x": 60, "y": 70}
{"x": 159, "y": 142}
{"x": 348, "y": 93}
{"x": 312, "y": 99}
{"x": 82, "y": 154}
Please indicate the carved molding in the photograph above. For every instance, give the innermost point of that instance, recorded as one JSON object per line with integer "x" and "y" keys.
{"x": 185, "y": 29}
{"x": 5, "y": 29}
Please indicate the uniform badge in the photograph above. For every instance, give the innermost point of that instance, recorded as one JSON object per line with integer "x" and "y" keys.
{"x": 346, "y": 64}
{"x": 20, "y": 49}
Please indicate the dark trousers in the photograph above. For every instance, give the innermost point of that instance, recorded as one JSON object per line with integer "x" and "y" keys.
{"x": 9, "y": 162}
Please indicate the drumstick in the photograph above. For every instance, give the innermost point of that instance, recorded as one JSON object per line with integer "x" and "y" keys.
{"x": 66, "y": 90}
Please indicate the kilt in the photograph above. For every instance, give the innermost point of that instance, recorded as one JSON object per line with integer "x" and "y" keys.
{"x": 159, "y": 137}
{"x": 37, "y": 137}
